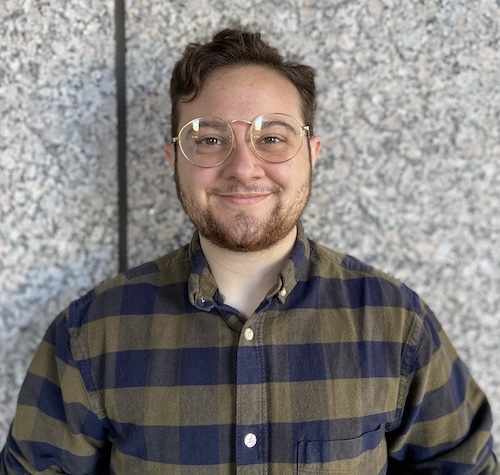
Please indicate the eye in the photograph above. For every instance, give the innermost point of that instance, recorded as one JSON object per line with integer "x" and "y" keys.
{"x": 271, "y": 140}
{"x": 209, "y": 141}
{"x": 275, "y": 142}
{"x": 210, "y": 144}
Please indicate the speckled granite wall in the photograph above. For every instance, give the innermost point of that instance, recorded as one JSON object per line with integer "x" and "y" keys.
{"x": 57, "y": 170}
{"x": 408, "y": 180}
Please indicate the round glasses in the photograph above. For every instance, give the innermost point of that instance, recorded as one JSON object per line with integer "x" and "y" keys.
{"x": 208, "y": 141}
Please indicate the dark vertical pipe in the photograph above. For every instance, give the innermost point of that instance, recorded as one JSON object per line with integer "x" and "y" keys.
{"x": 121, "y": 100}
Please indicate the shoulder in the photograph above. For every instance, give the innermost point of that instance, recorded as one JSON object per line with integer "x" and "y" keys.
{"x": 132, "y": 291}
{"x": 376, "y": 302}
{"x": 379, "y": 306}
{"x": 169, "y": 268}
{"x": 363, "y": 280}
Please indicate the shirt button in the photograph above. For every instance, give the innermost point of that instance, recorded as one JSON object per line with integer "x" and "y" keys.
{"x": 249, "y": 334}
{"x": 250, "y": 440}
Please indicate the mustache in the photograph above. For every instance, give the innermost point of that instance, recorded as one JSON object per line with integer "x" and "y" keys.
{"x": 243, "y": 190}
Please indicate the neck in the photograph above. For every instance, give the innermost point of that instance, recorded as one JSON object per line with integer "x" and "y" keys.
{"x": 245, "y": 278}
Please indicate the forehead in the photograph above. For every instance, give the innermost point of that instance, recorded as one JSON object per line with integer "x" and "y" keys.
{"x": 243, "y": 92}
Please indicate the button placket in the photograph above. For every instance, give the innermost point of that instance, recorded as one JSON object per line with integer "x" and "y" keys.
{"x": 250, "y": 403}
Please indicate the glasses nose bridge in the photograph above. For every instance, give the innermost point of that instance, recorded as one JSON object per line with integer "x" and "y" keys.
{"x": 248, "y": 122}
{"x": 248, "y": 138}
{"x": 240, "y": 120}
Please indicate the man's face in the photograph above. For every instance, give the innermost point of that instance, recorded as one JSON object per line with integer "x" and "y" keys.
{"x": 245, "y": 204}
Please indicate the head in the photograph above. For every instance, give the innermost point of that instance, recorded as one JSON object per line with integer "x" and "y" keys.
{"x": 230, "y": 48}
{"x": 245, "y": 203}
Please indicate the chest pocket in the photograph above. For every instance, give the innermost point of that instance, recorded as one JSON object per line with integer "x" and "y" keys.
{"x": 364, "y": 455}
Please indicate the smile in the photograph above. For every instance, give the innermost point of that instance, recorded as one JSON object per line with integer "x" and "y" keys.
{"x": 242, "y": 199}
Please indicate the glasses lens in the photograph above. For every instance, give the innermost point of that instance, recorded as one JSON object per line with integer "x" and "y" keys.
{"x": 206, "y": 142}
{"x": 277, "y": 137}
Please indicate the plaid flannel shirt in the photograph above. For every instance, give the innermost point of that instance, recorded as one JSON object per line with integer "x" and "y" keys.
{"x": 341, "y": 370}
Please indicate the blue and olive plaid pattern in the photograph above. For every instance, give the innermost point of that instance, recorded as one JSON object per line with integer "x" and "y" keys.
{"x": 341, "y": 370}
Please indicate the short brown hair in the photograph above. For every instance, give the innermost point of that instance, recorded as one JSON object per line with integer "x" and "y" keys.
{"x": 235, "y": 47}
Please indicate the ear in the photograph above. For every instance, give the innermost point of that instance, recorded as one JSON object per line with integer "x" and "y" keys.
{"x": 169, "y": 150}
{"x": 315, "y": 144}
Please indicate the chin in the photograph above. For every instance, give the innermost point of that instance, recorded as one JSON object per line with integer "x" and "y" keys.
{"x": 247, "y": 234}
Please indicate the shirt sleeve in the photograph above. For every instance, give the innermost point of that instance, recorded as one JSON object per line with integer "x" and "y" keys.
{"x": 55, "y": 429}
{"x": 445, "y": 421}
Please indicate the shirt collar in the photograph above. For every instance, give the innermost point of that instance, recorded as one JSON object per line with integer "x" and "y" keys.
{"x": 202, "y": 287}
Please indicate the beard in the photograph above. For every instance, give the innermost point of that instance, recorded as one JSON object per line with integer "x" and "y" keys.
{"x": 244, "y": 232}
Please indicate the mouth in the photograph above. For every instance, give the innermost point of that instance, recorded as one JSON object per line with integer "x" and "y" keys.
{"x": 243, "y": 199}
{"x": 239, "y": 196}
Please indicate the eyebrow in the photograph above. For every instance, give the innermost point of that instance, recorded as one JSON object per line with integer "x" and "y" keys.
{"x": 272, "y": 123}
{"x": 212, "y": 123}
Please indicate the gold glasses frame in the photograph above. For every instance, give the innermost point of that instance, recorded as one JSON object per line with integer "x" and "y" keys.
{"x": 304, "y": 130}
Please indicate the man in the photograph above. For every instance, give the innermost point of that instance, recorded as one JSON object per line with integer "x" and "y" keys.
{"x": 251, "y": 350}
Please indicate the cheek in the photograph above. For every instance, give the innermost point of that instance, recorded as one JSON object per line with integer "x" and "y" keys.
{"x": 290, "y": 174}
{"x": 194, "y": 180}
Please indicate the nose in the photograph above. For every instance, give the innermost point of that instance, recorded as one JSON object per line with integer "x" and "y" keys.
{"x": 243, "y": 164}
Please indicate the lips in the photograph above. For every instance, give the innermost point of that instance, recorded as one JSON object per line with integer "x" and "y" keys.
{"x": 242, "y": 197}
